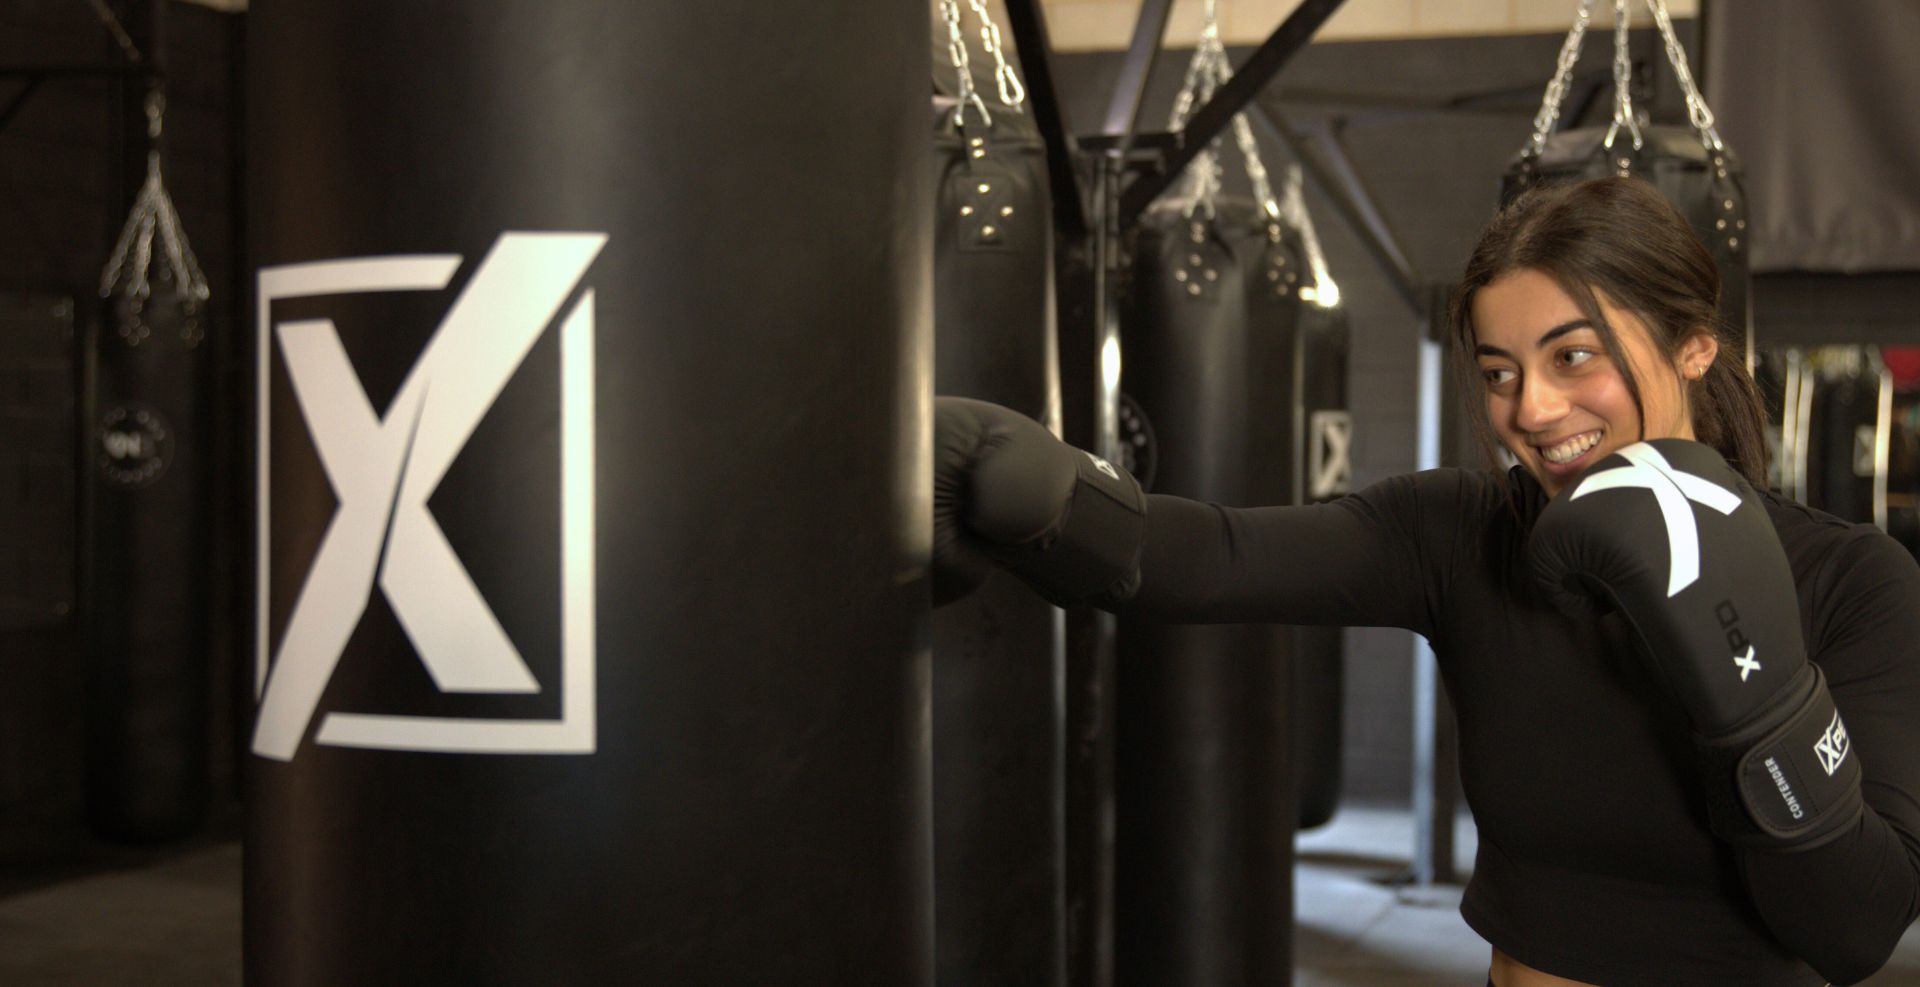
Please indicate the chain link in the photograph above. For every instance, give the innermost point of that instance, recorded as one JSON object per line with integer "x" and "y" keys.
{"x": 1556, "y": 94}
{"x": 156, "y": 111}
{"x": 1209, "y": 69}
{"x": 1697, "y": 112}
{"x": 1293, "y": 210}
{"x": 1012, "y": 93}
{"x": 1197, "y": 67}
{"x": 1200, "y": 183}
{"x": 127, "y": 269}
{"x": 966, "y": 95}
{"x": 1622, "y": 80}
{"x": 1249, "y": 148}
{"x": 119, "y": 31}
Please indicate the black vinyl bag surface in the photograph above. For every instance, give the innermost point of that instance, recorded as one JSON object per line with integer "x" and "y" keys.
{"x": 1705, "y": 184}
{"x": 1203, "y": 753}
{"x": 998, "y": 757}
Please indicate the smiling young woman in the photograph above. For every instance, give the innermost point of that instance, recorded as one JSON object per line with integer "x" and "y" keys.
{"x": 1588, "y": 313}
{"x": 1556, "y": 399}
{"x": 1686, "y": 706}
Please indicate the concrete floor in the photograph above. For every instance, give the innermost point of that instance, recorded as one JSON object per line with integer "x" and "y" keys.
{"x": 172, "y": 923}
{"x": 175, "y": 922}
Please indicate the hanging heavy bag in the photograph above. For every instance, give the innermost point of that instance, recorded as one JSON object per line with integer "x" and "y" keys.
{"x": 646, "y": 492}
{"x": 1204, "y": 813}
{"x": 149, "y": 592}
{"x": 998, "y": 785}
{"x": 1297, "y": 364}
{"x": 1203, "y": 845}
{"x": 993, "y": 257}
{"x": 1326, "y": 473}
{"x": 1690, "y": 164}
{"x": 1849, "y": 404}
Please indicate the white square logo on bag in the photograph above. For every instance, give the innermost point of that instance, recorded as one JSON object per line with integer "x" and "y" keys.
{"x": 1330, "y": 454}
{"x": 383, "y": 468}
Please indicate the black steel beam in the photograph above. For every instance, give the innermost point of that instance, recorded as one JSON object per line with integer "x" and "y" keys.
{"x": 1123, "y": 112}
{"x": 1030, "y": 38}
{"x": 1206, "y": 124}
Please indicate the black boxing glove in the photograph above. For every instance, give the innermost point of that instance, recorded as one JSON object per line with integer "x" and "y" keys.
{"x": 1682, "y": 545}
{"x": 1006, "y": 491}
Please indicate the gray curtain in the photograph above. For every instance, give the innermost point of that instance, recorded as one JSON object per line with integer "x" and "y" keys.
{"x": 1821, "y": 100}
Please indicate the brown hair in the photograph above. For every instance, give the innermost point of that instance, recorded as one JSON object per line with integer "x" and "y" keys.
{"x": 1620, "y": 237}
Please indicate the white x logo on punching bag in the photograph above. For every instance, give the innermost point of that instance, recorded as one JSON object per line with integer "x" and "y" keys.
{"x": 384, "y": 468}
{"x": 1671, "y": 490}
{"x": 1330, "y": 455}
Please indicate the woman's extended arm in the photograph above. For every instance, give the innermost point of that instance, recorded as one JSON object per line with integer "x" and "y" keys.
{"x": 1078, "y": 529}
{"x": 1378, "y": 557}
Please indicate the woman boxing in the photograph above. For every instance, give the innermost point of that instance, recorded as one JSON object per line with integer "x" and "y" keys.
{"x": 1689, "y": 709}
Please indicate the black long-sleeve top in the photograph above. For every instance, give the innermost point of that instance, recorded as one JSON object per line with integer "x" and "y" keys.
{"x": 1595, "y": 859}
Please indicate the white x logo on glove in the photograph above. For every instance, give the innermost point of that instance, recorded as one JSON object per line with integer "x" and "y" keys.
{"x": 1672, "y": 490}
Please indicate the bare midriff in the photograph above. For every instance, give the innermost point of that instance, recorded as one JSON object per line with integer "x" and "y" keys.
{"x": 1509, "y": 972}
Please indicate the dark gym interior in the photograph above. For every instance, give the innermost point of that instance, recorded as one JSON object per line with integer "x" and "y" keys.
{"x": 579, "y": 632}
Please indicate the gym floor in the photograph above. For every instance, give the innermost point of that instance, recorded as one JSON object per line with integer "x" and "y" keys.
{"x": 173, "y": 920}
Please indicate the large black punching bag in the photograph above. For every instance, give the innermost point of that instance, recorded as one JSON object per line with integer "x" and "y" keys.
{"x": 1204, "y": 833}
{"x": 1690, "y": 165}
{"x": 148, "y": 540}
{"x": 1846, "y": 432}
{"x": 1299, "y": 431}
{"x": 998, "y": 737}
{"x": 148, "y": 677}
{"x": 594, "y": 351}
{"x": 1704, "y": 183}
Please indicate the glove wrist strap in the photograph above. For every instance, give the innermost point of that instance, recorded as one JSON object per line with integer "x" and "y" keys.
{"x": 1095, "y": 550}
{"x": 1788, "y": 781}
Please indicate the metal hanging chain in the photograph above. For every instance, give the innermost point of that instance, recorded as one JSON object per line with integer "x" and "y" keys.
{"x": 1622, "y": 80}
{"x": 1203, "y": 175}
{"x": 966, "y": 95}
{"x": 1183, "y": 100}
{"x": 1243, "y": 137}
{"x": 1293, "y": 210}
{"x": 1697, "y": 112}
{"x": 1556, "y": 94}
{"x": 1200, "y": 183}
{"x": 119, "y": 31}
{"x": 1012, "y": 93}
{"x": 127, "y": 268}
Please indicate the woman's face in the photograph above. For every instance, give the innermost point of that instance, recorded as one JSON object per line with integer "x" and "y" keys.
{"x": 1554, "y": 397}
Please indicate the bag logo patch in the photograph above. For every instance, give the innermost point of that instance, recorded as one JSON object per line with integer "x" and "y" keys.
{"x": 384, "y": 468}
{"x": 1330, "y": 457}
